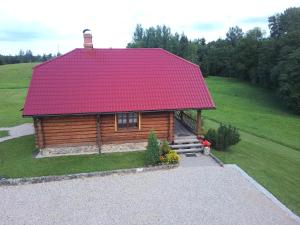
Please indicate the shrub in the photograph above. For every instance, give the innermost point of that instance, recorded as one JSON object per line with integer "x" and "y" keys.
{"x": 225, "y": 136}
{"x": 152, "y": 151}
{"x": 211, "y": 136}
{"x": 165, "y": 148}
{"x": 172, "y": 157}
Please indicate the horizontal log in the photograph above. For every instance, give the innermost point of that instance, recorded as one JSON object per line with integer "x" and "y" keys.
{"x": 67, "y": 136}
{"x": 155, "y": 126}
{"x": 132, "y": 134}
{"x": 106, "y": 123}
{"x": 146, "y": 115}
{"x": 62, "y": 123}
{"x": 75, "y": 126}
{"x": 69, "y": 128}
{"x": 107, "y": 117}
{"x": 69, "y": 133}
{"x": 155, "y": 121}
{"x": 68, "y": 118}
{"x": 71, "y": 141}
{"x": 66, "y": 132}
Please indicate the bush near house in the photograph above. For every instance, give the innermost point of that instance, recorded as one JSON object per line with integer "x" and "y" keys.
{"x": 152, "y": 151}
{"x": 167, "y": 155}
{"x": 165, "y": 148}
{"x": 172, "y": 157}
{"x": 223, "y": 137}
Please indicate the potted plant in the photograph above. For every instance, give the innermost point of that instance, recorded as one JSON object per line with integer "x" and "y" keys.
{"x": 206, "y": 145}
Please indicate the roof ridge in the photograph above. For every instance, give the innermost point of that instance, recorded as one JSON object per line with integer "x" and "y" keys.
{"x": 182, "y": 59}
{"x": 122, "y": 48}
{"x": 53, "y": 59}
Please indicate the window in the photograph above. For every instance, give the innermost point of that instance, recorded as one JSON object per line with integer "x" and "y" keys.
{"x": 127, "y": 120}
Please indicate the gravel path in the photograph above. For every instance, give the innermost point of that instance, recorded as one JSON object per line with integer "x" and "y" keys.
{"x": 186, "y": 195}
{"x": 18, "y": 131}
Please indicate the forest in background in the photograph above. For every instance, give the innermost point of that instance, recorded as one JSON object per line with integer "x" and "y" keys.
{"x": 271, "y": 61}
{"x": 25, "y": 57}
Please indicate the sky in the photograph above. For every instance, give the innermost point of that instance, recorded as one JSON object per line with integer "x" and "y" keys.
{"x": 56, "y": 25}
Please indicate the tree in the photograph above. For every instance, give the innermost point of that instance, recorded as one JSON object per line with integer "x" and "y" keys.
{"x": 288, "y": 73}
{"x": 234, "y": 34}
{"x": 152, "y": 151}
{"x": 28, "y": 56}
{"x": 183, "y": 46}
{"x": 218, "y": 58}
{"x": 274, "y": 26}
{"x": 139, "y": 33}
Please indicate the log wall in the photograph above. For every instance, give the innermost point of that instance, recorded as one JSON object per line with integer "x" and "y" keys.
{"x": 68, "y": 131}
{"x": 82, "y": 130}
{"x": 157, "y": 121}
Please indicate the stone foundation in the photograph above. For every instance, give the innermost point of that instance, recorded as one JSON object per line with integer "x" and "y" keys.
{"x": 91, "y": 149}
{"x": 126, "y": 147}
{"x": 62, "y": 151}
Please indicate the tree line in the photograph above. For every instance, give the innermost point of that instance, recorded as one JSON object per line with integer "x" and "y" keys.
{"x": 25, "y": 57}
{"x": 271, "y": 61}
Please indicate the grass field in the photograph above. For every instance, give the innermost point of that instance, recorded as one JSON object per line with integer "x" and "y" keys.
{"x": 14, "y": 81}
{"x": 16, "y": 160}
{"x": 3, "y": 133}
{"x": 269, "y": 150}
{"x": 254, "y": 110}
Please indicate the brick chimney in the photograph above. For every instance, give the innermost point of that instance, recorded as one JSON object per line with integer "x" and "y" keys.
{"x": 87, "y": 38}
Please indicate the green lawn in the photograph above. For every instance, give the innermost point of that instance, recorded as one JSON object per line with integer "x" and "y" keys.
{"x": 269, "y": 149}
{"x": 16, "y": 75}
{"x": 3, "y": 133}
{"x": 16, "y": 160}
{"x": 254, "y": 110}
{"x": 14, "y": 81}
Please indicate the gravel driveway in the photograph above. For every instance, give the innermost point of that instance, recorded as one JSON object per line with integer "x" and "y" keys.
{"x": 186, "y": 195}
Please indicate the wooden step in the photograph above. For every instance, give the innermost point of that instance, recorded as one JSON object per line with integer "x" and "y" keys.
{"x": 181, "y": 141}
{"x": 191, "y": 150}
{"x": 185, "y": 137}
{"x": 192, "y": 145}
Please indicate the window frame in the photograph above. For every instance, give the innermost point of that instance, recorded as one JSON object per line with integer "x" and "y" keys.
{"x": 128, "y": 126}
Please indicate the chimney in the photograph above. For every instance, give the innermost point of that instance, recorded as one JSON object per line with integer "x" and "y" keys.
{"x": 87, "y": 38}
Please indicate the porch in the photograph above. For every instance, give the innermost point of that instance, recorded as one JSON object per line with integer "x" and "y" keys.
{"x": 185, "y": 124}
{"x": 181, "y": 130}
{"x": 186, "y": 137}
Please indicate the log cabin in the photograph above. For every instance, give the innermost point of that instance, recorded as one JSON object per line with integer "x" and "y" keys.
{"x": 92, "y": 96}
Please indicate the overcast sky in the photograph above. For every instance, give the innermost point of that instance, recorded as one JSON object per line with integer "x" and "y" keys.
{"x": 46, "y": 26}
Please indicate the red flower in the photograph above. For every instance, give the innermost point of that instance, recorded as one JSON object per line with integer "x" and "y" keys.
{"x": 206, "y": 143}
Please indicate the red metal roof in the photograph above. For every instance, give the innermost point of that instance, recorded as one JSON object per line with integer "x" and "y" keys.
{"x": 115, "y": 80}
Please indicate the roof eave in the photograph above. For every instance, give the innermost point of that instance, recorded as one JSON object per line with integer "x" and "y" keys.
{"x": 113, "y": 112}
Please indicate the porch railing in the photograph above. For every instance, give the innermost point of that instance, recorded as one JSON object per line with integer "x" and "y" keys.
{"x": 187, "y": 120}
